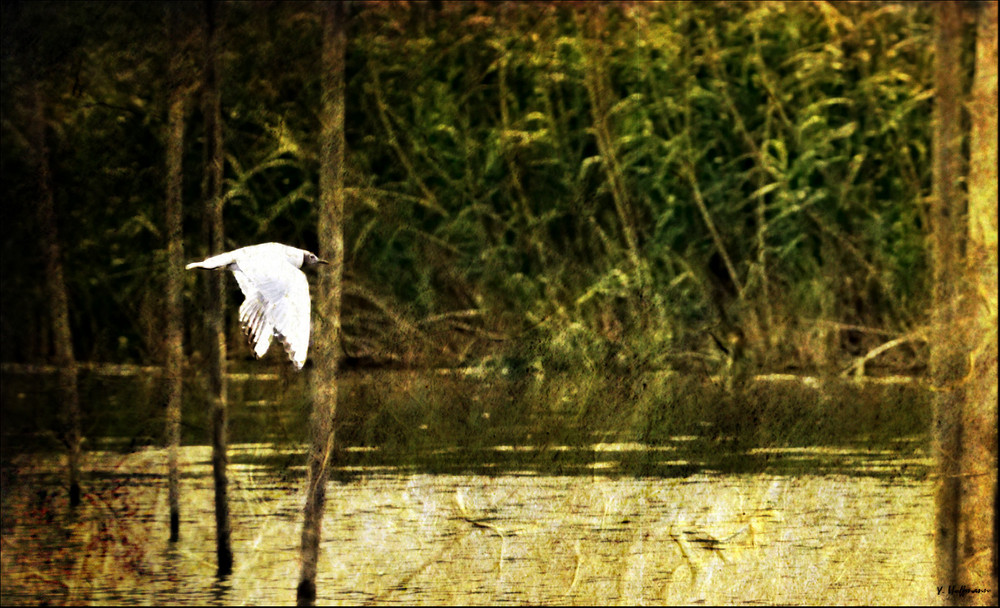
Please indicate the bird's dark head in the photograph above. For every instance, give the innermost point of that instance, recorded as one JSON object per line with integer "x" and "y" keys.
{"x": 311, "y": 259}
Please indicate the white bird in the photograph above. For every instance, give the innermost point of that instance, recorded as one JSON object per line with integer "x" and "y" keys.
{"x": 277, "y": 295}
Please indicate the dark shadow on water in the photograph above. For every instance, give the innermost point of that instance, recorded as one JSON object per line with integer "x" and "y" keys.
{"x": 605, "y": 461}
{"x": 640, "y": 425}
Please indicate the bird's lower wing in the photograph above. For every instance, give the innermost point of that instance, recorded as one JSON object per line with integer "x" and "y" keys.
{"x": 290, "y": 316}
{"x": 254, "y": 318}
{"x": 277, "y": 303}
{"x": 256, "y": 325}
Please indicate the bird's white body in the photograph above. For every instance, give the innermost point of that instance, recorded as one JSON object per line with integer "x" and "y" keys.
{"x": 277, "y": 295}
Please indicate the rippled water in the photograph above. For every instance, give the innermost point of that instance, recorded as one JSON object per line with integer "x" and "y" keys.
{"x": 397, "y": 537}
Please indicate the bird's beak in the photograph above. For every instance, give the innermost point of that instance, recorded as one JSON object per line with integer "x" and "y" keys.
{"x": 318, "y": 261}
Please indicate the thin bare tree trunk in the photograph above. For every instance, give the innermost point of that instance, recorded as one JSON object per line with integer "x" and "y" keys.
{"x": 59, "y": 312}
{"x": 947, "y": 362}
{"x": 978, "y": 538}
{"x": 215, "y": 292}
{"x": 175, "y": 267}
{"x": 327, "y": 328}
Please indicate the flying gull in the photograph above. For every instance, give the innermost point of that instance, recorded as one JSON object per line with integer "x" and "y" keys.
{"x": 277, "y": 295}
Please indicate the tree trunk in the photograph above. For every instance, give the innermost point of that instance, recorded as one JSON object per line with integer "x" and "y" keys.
{"x": 175, "y": 267}
{"x": 947, "y": 362}
{"x": 212, "y": 229}
{"x": 59, "y": 312}
{"x": 327, "y": 327}
{"x": 978, "y": 537}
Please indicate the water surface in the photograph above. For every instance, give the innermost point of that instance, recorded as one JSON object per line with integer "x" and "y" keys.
{"x": 392, "y": 535}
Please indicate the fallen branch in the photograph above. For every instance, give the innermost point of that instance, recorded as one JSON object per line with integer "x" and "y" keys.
{"x": 858, "y": 366}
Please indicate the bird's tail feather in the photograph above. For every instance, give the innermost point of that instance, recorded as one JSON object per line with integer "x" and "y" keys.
{"x": 216, "y": 261}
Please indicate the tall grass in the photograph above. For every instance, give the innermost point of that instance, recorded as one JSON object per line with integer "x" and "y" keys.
{"x": 569, "y": 185}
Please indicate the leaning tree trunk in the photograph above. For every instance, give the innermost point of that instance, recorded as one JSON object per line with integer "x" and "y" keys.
{"x": 173, "y": 311}
{"x": 978, "y": 534}
{"x": 327, "y": 328}
{"x": 59, "y": 312}
{"x": 947, "y": 361}
{"x": 212, "y": 229}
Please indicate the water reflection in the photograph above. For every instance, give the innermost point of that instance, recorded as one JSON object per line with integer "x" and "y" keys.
{"x": 406, "y": 535}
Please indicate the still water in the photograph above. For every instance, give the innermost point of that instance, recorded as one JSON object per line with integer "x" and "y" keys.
{"x": 397, "y": 536}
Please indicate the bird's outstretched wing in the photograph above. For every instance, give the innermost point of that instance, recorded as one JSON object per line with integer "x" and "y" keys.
{"x": 277, "y": 303}
{"x": 253, "y": 315}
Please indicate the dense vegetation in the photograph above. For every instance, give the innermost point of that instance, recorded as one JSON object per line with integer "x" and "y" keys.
{"x": 565, "y": 185}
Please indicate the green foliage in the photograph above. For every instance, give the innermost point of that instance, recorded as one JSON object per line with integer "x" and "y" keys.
{"x": 550, "y": 168}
